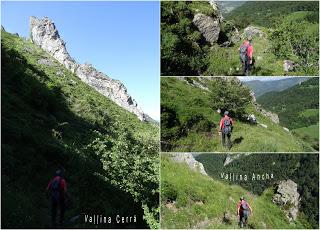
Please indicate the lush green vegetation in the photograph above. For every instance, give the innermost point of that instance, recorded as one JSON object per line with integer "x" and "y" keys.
{"x": 51, "y": 119}
{"x": 192, "y": 200}
{"x": 269, "y": 14}
{"x": 190, "y": 121}
{"x": 182, "y": 46}
{"x": 303, "y": 169}
{"x": 291, "y": 32}
{"x": 297, "y": 107}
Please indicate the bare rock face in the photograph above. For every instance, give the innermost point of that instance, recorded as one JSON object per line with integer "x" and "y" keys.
{"x": 110, "y": 88}
{"x": 231, "y": 157}
{"x": 251, "y": 31}
{"x": 272, "y": 116}
{"x": 44, "y": 34}
{"x": 208, "y": 27}
{"x": 190, "y": 161}
{"x": 288, "y": 198}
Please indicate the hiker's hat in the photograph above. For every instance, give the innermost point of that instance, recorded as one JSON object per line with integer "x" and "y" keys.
{"x": 226, "y": 113}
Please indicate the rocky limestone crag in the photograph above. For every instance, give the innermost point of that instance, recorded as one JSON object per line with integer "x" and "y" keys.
{"x": 231, "y": 157}
{"x": 190, "y": 161}
{"x": 251, "y": 31}
{"x": 44, "y": 34}
{"x": 208, "y": 27}
{"x": 287, "y": 197}
{"x": 272, "y": 116}
{"x": 199, "y": 84}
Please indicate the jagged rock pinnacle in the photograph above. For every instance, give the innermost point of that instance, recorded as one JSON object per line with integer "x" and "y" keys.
{"x": 44, "y": 34}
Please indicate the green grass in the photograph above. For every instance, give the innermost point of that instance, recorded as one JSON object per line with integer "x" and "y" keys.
{"x": 226, "y": 61}
{"x": 51, "y": 119}
{"x": 189, "y": 101}
{"x": 312, "y": 131}
{"x": 193, "y": 200}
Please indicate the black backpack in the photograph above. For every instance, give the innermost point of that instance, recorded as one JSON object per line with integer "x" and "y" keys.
{"x": 226, "y": 126}
{"x": 243, "y": 53}
{"x": 56, "y": 188}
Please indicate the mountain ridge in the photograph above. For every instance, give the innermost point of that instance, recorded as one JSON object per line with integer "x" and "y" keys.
{"x": 261, "y": 87}
{"x": 44, "y": 33}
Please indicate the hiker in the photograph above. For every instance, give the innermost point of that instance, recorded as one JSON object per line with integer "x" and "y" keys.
{"x": 57, "y": 189}
{"x": 226, "y": 124}
{"x": 243, "y": 209}
{"x": 246, "y": 56}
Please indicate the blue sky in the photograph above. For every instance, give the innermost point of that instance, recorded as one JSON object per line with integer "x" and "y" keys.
{"x": 121, "y": 39}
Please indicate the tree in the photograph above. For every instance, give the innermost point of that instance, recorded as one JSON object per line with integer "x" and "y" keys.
{"x": 229, "y": 95}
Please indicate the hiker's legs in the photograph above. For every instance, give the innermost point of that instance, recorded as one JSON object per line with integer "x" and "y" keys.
{"x": 243, "y": 67}
{"x": 223, "y": 139}
{"x": 62, "y": 210}
{"x": 241, "y": 221}
{"x": 229, "y": 140}
{"x": 247, "y": 67}
{"x": 54, "y": 205}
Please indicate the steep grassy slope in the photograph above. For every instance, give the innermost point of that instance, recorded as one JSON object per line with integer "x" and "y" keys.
{"x": 291, "y": 32}
{"x": 301, "y": 168}
{"x": 51, "y": 119}
{"x": 188, "y": 123}
{"x": 192, "y": 200}
{"x": 261, "y": 87}
{"x": 298, "y": 107}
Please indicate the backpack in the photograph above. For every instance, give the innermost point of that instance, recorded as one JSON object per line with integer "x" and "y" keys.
{"x": 56, "y": 188}
{"x": 244, "y": 206}
{"x": 226, "y": 126}
{"x": 243, "y": 53}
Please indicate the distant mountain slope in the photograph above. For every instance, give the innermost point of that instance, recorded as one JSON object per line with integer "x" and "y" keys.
{"x": 292, "y": 102}
{"x": 261, "y": 87}
{"x": 189, "y": 122}
{"x": 192, "y": 200}
{"x": 298, "y": 109}
{"x": 228, "y": 6}
{"x": 269, "y": 13}
{"x": 51, "y": 119}
{"x": 301, "y": 168}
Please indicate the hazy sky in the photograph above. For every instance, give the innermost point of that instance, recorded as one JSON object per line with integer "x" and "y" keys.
{"x": 262, "y": 78}
{"x": 121, "y": 39}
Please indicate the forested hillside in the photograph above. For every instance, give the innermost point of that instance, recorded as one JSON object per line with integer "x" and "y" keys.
{"x": 51, "y": 119}
{"x": 190, "y": 120}
{"x": 303, "y": 169}
{"x": 279, "y": 31}
{"x": 298, "y": 109}
{"x": 269, "y": 14}
{"x": 192, "y": 200}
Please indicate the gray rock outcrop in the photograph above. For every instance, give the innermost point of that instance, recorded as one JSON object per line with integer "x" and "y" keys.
{"x": 208, "y": 27}
{"x": 252, "y": 31}
{"x": 190, "y": 161}
{"x": 272, "y": 116}
{"x": 44, "y": 34}
{"x": 231, "y": 157}
{"x": 287, "y": 197}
